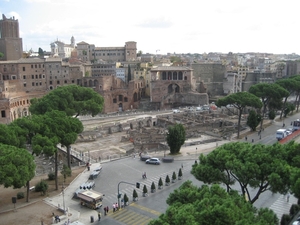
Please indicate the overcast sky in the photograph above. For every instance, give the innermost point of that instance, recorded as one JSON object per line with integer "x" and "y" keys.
{"x": 161, "y": 26}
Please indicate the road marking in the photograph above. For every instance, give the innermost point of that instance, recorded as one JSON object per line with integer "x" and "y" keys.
{"x": 145, "y": 209}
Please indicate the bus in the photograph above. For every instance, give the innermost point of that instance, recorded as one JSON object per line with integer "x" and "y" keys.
{"x": 296, "y": 125}
{"x": 90, "y": 198}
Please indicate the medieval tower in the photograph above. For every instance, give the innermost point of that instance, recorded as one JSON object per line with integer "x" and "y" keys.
{"x": 10, "y": 41}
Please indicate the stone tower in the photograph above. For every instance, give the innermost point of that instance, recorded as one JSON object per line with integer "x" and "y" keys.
{"x": 130, "y": 51}
{"x": 10, "y": 42}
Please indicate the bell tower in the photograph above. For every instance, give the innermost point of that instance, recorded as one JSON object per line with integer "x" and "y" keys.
{"x": 10, "y": 42}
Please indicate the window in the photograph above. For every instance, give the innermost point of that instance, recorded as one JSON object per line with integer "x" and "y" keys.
{"x": 3, "y": 113}
{"x": 32, "y": 76}
{"x": 58, "y": 82}
{"x": 114, "y": 100}
{"x": 40, "y": 83}
{"x": 36, "y": 76}
{"x": 32, "y": 84}
{"x": 35, "y": 66}
{"x": 31, "y": 66}
{"x": 24, "y": 85}
{"x": 40, "y": 76}
{"x": 50, "y": 82}
{"x": 66, "y": 81}
{"x": 23, "y": 68}
{"x": 24, "y": 77}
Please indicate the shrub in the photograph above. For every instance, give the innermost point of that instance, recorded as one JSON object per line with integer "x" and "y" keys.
{"x": 145, "y": 190}
{"x": 160, "y": 182}
{"x": 180, "y": 173}
{"x": 285, "y": 219}
{"x": 153, "y": 186}
{"x": 126, "y": 198}
{"x": 134, "y": 194}
{"x": 42, "y": 187}
{"x": 174, "y": 176}
{"x": 51, "y": 176}
{"x": 167, "y": 179}
{"x": 20, "y": 195}
{"x": 294, "y": 209}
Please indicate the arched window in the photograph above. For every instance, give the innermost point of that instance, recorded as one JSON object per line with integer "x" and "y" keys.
{"x": 164, "y": 76}
{"x": 180, "y": 77}
{"x": 174, "y": 75}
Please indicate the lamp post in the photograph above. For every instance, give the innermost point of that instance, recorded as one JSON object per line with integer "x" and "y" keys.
{"x": 63, "y": 194}
{"x": 196, "y": 153}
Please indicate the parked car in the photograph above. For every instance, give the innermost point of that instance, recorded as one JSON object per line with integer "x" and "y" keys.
{"x": 297, "y": 222}
{"x": 144, "y": 157}
{"x": 176, "y": 111}
{"x": 155, "y": 161}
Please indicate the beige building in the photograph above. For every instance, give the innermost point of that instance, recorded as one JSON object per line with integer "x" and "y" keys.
{"x": 89, "y": 52}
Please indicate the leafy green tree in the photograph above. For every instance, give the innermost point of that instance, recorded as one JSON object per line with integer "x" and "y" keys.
{"x": 134, "y": 194}
{"x": 296, "y": 79}
{"x": 17, "y": 167}
{"x": 66, "y": 172}
{"x": 240, "y": 101}
{"x": 8, "y": 135}
{"x": 266, "y": 92}
{"x": 1, "y": 55}
{"x": 291, "y": 86}
{"x": 261, "y": 167}
{"x": 253, "y": 120}
{"x": 174, "y": 177}
{"x": 272, "y": 115}
{"x": 288, "y": 108}
{"x": 42, "y": 187}
{"x": 126, "y": 199}
{"x": 175, "y": 138}
{"x": 72, "y": 99}
{"x": 211, "y": 205}
{"x": 64, "y": 128}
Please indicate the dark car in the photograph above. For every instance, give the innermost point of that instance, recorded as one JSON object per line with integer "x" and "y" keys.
{"x": 145, "y": 157}
{"x": 155, "y": 161}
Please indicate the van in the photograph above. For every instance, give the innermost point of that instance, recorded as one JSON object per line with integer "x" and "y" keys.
{"x": 280, "y": 134}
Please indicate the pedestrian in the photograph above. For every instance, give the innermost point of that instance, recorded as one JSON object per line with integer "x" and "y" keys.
{"x": 117, "y": 206}
{"x": 114, "y": 207}
{"x": 104, "y": 211}
{"x": 252, "y": 140}
{"x": 181, "y": 165}
{"x": 99, "y": 216}
{"x": 107, "y": 209}
{"x": 246, "y": 138}
{"x": 288, "y": 197}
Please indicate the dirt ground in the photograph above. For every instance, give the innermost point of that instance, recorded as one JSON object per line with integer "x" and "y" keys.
{"x": 36, "y": 210}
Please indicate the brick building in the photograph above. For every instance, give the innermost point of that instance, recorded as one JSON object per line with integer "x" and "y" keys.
{"x": 173, "y": 86}
{"x": 24, "y": 79}
{"x": 10, "y": 42}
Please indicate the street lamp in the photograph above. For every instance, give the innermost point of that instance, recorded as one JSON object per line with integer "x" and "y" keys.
{"x": 196, "y": 152}
{"x": 63, "y": 194}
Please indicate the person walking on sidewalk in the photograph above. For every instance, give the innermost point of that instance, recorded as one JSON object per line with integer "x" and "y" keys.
{"x": 99, "y": 216}
{"x": 114, "y": 207}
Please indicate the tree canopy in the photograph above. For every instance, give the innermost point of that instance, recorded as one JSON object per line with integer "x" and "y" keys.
{"x": 175, "y": 138}
{"x": 211, "y": 205}
{"x": 240, "y": 101}
{"x": 74, "y": 100}
{"x": 17, "y": 166}
{"x": 266, "y": 92}
{"x": 261, "y": 167}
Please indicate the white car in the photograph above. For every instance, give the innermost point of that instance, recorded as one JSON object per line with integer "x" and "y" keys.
{"x": 176, "y": 111}
{"x": 297, "y": 222}
{"x": 155, "y": 161}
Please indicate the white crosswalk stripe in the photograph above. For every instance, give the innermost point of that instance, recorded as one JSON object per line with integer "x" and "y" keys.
{"x": 282, "y": 206}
